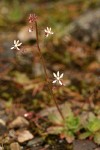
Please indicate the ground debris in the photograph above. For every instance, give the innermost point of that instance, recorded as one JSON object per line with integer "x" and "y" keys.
{"x": 83, "y": 145}
{"x": 1, "y": 148}
{"x": 3, "y": 129}
{"x": 19, "y": 122}
{"x": 87, "y": 27}
{"x": 15, "y": 146}
{"x": 24, "y": 136}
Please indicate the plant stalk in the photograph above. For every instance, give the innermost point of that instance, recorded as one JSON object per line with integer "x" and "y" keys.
{"x": 45, "y": 72}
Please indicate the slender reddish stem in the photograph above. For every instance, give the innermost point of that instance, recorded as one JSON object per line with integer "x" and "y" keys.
{"x": 45, "y": 72}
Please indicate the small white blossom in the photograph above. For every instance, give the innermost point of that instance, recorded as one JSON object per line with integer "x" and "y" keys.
{"x": 16, "y": 45}
{"x": 30, "y": 29}
{"x": 58, "y": 78}
{"x": 48, "y": 31}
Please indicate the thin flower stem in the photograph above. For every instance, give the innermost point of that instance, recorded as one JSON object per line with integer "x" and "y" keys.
{"x": 45, "y": 72}
{"x": 39, "y": 50}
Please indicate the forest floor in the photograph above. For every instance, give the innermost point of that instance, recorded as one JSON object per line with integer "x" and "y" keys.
{"x": 26, "y": 107}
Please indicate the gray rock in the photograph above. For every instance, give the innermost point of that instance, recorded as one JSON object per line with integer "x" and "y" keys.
{"x": 35, "y": 142}
{"x": 3, "y": 116}
{"x": 87, "y": 27}
{"x": 3, "y": 129}
{"x": 83, "y": 145}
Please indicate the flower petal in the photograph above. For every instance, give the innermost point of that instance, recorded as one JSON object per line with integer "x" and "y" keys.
{"x": 57, "y": 73}
{"x": 46, "y": 35}
{"x": 15, "y": 42}
{"x": 54, "y": 75}
{"x": 19, "y": 44}
{"x": 45, "y": 30}
{"x": 61, "y": 76}
{"x": 54, "y": 81}
{"x": 17, "y": 48}
{"x": 29, "y": 30}
{"x": 60, "y": 82}
{"x": 12, "y": 47}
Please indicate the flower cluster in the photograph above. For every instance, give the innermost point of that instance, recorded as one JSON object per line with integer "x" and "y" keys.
{"x": 32, "y": 18}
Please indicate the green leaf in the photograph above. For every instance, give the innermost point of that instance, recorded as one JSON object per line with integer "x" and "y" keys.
{"x": 94, "y": 125}
{"x": 55, "y": 118}
{"x": 73, "y": 123}
{"x": 91, "y": 116}
{"x": 21, "y": 78}
{"x": 16, "y": 13}
{"x": 84, "y": 135}
{"x": 54, "y": 130}
{"x": 97, "y": 138}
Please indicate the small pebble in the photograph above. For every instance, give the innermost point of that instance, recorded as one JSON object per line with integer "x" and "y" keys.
{"x": 2, "y": 122}
{"x": 15, "y": 146}
{"x": 3, "y": 129}
{"x": 1, "y": 148}
{"x": 24, "y": 136}
{"x": 19, "y": 122}
{"x": 83, "y": 145}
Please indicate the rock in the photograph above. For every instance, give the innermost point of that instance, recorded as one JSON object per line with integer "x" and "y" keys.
{"x": 35, "y": 142}
{"x": 3, "y": 128}
{"x": 19, "y": 122}
{"x": 6, "y": 140}
{"x": 25, "y": 36}
{"x": 83, "y": 145}
{"x": 2, "y": 122}
{"x": 1, "y": 148}
{"x": 24, "y": 136}
{"x": 3, "y": 116}
{"x": 87, "y": 27}
{"x": 98, "y": 148}
{"x": 15, "y": 146}
{"x": 12, "y": 134}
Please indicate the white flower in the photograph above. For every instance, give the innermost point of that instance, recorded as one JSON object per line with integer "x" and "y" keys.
{"x": 16, "y": 45}
{"x": 30, "y": 29}
{"x": 58, "y": 78}
{"x": 48, "y": 31}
